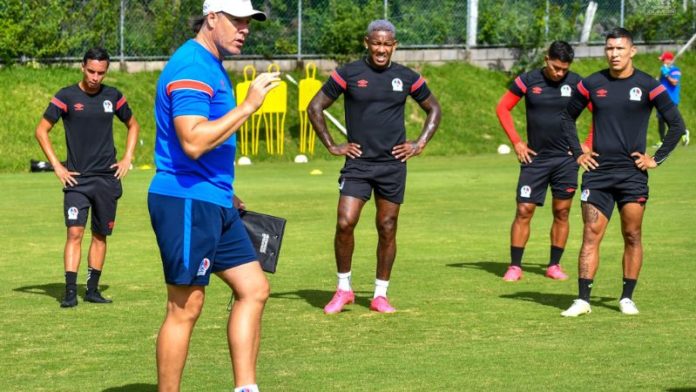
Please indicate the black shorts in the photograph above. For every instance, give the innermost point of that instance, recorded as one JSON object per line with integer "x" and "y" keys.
{"x": 99, "y": 192}
{"x": 604, "y": 189}
{"x": 559, "y": 172}
{"x": 388, "y": 180}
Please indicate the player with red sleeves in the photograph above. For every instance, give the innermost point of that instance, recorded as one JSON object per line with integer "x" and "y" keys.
{"x": 544, "y": 161}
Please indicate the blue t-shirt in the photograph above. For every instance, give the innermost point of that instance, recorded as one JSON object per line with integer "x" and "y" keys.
{"x": 193, "y": 83}
{"x": 675, "y": 73}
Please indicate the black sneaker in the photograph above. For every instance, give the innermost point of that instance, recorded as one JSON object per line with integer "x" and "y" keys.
{"x": 96, "y": 297}
{"x": 70, "y": 299}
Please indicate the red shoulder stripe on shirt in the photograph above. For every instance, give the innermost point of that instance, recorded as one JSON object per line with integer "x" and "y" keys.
{"x": 521, "y": 85}
{"x": 187, "y": 84}
{"x": 60, "y": 104}
{"x": 583, "y": 90}
{"x": 338, "y": 79}
{"x": 656, "y": 91}
{"x": 418, "y": 83}
{"x": 121, "y": 102}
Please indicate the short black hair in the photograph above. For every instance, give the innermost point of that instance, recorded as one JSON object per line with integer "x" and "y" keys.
{"x": 96, "y": 53}
{"x": 561, "y": 50}
{"x": 619, "y": 32}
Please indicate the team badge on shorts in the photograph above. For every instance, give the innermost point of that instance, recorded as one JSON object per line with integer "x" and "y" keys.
{"x": 585, "y": 195}
{"x": 205, "y": 264}
{"x": 635, "y": 94}
{"x": 566, "y": 91}
{"x": 397, "y": 84}
{"x": 108, "y": 107}
{"x": 72, "y": 213}
{"x": 525, "y": 191}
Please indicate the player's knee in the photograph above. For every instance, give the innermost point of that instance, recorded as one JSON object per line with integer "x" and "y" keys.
{"x": 524, "y": 212}
{"x": 345, "y": 225}
{"x": 186, "y": 310}
{"x": 386, "y": 225}
{"x": 632, "y": 237}
{"x": 75, "y": 234}
{"x": 561, "y": 214}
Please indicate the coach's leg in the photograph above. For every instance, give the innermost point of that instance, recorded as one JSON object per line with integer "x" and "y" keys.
{"x": 251, "y": 290}
{"x": 386, "y": 222}
{"x": 348, "y": 214}
{"x": 184, "y": 305}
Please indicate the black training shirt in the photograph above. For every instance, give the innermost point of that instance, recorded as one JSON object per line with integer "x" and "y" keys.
{"x": 88, "y": 122}
{"x": 375, "y": 100}
{"x": 620, "y": 114}
{"x": 544, "y": 101}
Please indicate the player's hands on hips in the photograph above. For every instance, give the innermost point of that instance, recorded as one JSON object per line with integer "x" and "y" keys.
{"x": 643, "y": 161}
{"x": 524, "y": 153}
{"x": 587, "y": 161}
{"x": 237, "y": 203}
{"x": 122, "y": 167}
{"x": 352, "y": 150}
{"x": 407, "y": 150}
{"x": 65, "y": 176}
{"x": 259, "y": 87}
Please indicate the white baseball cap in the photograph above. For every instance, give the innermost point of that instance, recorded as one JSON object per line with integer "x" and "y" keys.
{"x": 239, "y": 8}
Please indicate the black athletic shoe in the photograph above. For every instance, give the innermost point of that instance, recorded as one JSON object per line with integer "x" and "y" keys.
{"x": 96, "y": 297}
{"x": 70, "y": 299}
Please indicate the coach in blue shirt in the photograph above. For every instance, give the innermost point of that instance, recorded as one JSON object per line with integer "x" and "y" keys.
{"x": 193, "y": 208}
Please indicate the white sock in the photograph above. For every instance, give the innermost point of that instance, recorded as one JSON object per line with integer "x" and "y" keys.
{"x": 344, "y": 281}
{"x": 247, "y": 388}
{"x": 381, "y": 288}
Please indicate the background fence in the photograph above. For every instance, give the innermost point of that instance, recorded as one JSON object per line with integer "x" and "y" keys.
{"x": 148, "y": 29}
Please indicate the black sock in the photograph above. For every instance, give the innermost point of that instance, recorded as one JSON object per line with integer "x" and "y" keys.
{"x": 516, "y": 255}
{"x": 70, "y": 280}
{"x": 556, "y": 254}
{"x": 584, "y": 289}
{"x": 93, "y": 279}
{"x": 628, "y": 286}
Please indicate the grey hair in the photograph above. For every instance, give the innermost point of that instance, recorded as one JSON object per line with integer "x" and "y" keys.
{"x": 381, "y": 25}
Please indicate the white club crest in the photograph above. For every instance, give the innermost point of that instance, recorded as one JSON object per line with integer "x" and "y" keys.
{"x": 525, "y": 191}
{"x": 108, "y": 107}
{"x": 397, "y": 84}
{"x": 205, "y": 264}
{"x": 72, "y": 213}
{"x": 585, "y": 195}
{"x": 635, "y": 94}
{"x": 566, "y": 91}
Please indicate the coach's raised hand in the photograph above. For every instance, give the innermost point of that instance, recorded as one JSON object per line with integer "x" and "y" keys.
{"x": 258, "y": 89}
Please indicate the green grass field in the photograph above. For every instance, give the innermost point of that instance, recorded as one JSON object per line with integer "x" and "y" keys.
{"x": 459, "y": 327}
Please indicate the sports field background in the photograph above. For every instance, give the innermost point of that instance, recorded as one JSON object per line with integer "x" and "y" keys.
{"x": 459, "y": 327}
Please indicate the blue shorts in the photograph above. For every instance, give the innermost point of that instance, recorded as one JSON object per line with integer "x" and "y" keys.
{"x": 196, "y": 238}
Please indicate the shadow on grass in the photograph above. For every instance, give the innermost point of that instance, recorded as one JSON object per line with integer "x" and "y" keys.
{"x": 498, "y": 269}
{"x": 560, "y": 301}
{"x": 319, "y": 298}
{"x": 55, "y": 290}
{"x": 133, "y": 388}
{"x": 683, "y": 389}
